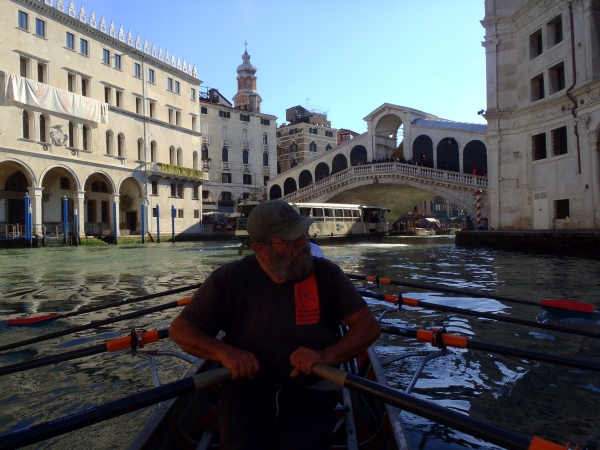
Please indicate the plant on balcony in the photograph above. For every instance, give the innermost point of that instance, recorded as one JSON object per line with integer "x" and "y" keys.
{"x": 181, "y": 171}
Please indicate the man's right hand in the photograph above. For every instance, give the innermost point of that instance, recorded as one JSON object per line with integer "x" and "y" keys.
{"x": 242, "y": 364}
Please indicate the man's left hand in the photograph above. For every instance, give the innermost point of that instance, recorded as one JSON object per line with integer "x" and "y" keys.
{"x": 304, "y": 359}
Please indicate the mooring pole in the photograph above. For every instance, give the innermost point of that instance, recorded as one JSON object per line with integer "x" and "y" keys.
{"x": 115, "y": 223}
{"x": 158, "y": 223}
{"x": 143, "y": 223}
{"x": 173, "y": 223}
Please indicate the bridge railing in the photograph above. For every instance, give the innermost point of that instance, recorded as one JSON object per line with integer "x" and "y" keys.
{"x": 416, "y": 171}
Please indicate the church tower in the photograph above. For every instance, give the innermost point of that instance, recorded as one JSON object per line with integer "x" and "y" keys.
{"x": 247, "y": 98}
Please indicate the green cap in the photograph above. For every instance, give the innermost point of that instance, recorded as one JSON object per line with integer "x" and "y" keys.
{"x": 276, "y": 218}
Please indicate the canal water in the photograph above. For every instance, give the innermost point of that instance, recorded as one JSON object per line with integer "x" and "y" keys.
{"x": 524, "y": 396}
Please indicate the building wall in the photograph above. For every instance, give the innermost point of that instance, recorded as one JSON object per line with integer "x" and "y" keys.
{"x": 130, "y": 171}
{"x": 300, "y": 134}
{"x": 247, "y": 180}
{"x": 529, "y": 190}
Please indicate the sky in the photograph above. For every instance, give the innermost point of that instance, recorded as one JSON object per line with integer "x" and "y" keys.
{"x": 343, "y": 57}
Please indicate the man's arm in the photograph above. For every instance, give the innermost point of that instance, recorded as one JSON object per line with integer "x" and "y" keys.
{"x": 196, "y": 342}
{"x": 363, "y": 331}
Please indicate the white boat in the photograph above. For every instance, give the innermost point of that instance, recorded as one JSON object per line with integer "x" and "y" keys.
{"x": 424, "y": 232}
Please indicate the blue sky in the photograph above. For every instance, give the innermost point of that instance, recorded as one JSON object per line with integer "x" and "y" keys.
{"x": 344, "y": 57}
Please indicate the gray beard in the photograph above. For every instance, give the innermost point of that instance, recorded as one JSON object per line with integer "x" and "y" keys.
{"x": 288, "y": 267}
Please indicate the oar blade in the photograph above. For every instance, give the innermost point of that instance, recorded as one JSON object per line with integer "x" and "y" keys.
{"x": 29, "y": 321}
{"x": 568, "y": 308}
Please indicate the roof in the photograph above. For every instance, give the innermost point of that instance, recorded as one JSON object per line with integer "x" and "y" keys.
{"x": 451, "y": 125}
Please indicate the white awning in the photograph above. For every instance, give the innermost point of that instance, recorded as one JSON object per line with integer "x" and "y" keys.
{"x": 44, "y": 96}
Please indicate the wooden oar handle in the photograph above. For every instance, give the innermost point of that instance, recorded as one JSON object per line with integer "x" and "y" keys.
{"x": 541, "y": 444}
{"x": 115, "y": 345}
{"x": 184, "y": 301}
{"x": 449, "y": 339}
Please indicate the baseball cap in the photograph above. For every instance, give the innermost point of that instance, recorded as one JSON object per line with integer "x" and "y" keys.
{"x": 276, "y": 218}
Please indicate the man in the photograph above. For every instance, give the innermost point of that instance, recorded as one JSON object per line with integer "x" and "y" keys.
{"x": 280, "y": 309}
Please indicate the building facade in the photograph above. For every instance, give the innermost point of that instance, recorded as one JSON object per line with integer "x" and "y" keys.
{"x": 305, "y": 135}
{"x": 238, "y": 144}
{"x": 92, "y": 114}
{"x": 543, "y": 113}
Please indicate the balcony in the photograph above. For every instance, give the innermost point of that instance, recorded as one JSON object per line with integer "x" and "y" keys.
{"x": 245, "y": 145}
{"x": 161, "y": 170}
{"x": 206, "y": 140}
{"x": 265, "y": 148}
{"x": 266, "y": 170}
{"x": 224, "y": 165}
{"x": 225, "y": 142}
{"x": 206, "y": 164}
{"x": 246, "y": 168}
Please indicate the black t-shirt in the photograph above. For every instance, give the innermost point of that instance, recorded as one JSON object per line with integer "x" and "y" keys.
{"x": 259, "y": 315}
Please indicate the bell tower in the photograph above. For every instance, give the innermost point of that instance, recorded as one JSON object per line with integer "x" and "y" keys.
{"x": 247, "y": 97}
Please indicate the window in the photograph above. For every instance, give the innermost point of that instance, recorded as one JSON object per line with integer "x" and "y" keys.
{"x": 170, "y": 114}
{"x": 86, "y": 137}
{"x": 71, "y": 82}
{"x": 180, "y": 190}
{"x": 244, "y": 118}
{"x": 225, "y": 154}
{"x": 537, "y": 88}
{"x": 538, "y": 144}
{"x": 291, "y": 132}
{"x": 561, "y": 209}
{"x": 173, "y": 190}
{"x": 177, "y": 87}
{"x": 330, "y": 134}
{"x": 138, "y": 105}
{"x": 266, "y": 159}
{"x": 204, "y": 152}
{"x": 554, "y": 31}
{"x": 119, "y": 99}
{"x": 225, "y": 177}
{"x": 193, "y": 94}
{"x": 107, "y": 95}
{"x": 153, "y": 152}
{"x": 42, "y": 72}
{"x": 178, "y": 118}
{"x": 155, "y": 188}
{"x": 194, "y": 123}
{"x": 106, "y": 56}
{"x": 247, "y": 178}
{"x": 225, "y": 114}
{"x": 150, "y": 75}
{"x": 265, "y": 121}
{"x": 40, "y": 27}
{"x": 535, "y": 44}
{"x": 559, "y": 141}
{"x": 152, "y": 109}
{"x": 26, "y": 117}
{"x": 196, "y": 214}
{"x": 65, "y": 184}
{"x": 72, "y": 131}
{"x": 154, "y": 212}
{"x": 23, "y": 66}
{"x": 169, "y": 84}
{"x": 85, "y": 87}
{"x": 556, "y": 76}
{"x": 83, "y": 47}
{"x": 180, "y": 213}
{"x": 180, "y": 157}
{"x": 100, "y": 186}
{"x": 137, "y": 70}
{"x": 140, "y": 145}
{"x": 328, "y": 147}
{"x": 245, "y": 156}
{"x": 118, "y": 62}
{"x": 313, "y": 147}
{"x": 109, "y": 142}
{"x": 23, "y": 20}
{"x": 195, "y": 192}
{"x": 43, "y": 137}
{"x": 266, "y": 179}
{"x": 203, "y": 110}
{"x": 70, "y": 41}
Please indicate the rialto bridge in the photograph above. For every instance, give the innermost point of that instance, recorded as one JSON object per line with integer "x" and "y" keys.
{"x": 440, "y": 156}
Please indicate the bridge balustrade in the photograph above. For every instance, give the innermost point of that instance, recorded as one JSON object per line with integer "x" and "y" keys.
{"x": 416, "y": 171}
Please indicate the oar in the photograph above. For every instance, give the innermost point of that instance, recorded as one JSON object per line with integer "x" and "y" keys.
{"x": 390, "y": 298}
{"x": 577, "y": 308}
{"x": 50, "y": 317}
{"x": 112, "y": 345}
{"x": 429, "y": 410}
{"x": 98, "y": 323}
{"x": 95, "y": 414}
{"x": 438, "y": 338}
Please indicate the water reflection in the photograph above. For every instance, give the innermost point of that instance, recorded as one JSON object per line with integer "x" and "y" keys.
{"x": 524, "y": 396}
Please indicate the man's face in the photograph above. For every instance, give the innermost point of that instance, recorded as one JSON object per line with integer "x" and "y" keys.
{"x": 290, "y": 260}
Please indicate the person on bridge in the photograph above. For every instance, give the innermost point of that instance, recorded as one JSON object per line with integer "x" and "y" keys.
{"x": 281, "y": 309}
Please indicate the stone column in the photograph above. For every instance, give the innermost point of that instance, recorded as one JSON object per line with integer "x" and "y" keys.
{"x": 35, "y": 194}
{"x": 114, "y": 221}
{"x": 79, "y": 200}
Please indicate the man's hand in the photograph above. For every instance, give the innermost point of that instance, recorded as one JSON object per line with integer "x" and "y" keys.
{"x": 304, "y": 359}
{"x": 242, "y": 364}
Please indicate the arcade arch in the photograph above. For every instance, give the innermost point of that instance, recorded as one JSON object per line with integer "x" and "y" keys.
{"x": 275, "y": 192}
{"x": 98, "y": 189}
{"x": 423, "y": 150}
{"x": 321, "y": 171}
{"x": 447, "y": 155}
{"x": 289, "y": 186}
{"x": 358, "y": 155}
{"x": 130, "y": 205}
{"x": 474, "y": 157}
{"x": 305, "y": 178}
{"x": 57, "y": 183}
{"x": 339, "y": 163}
